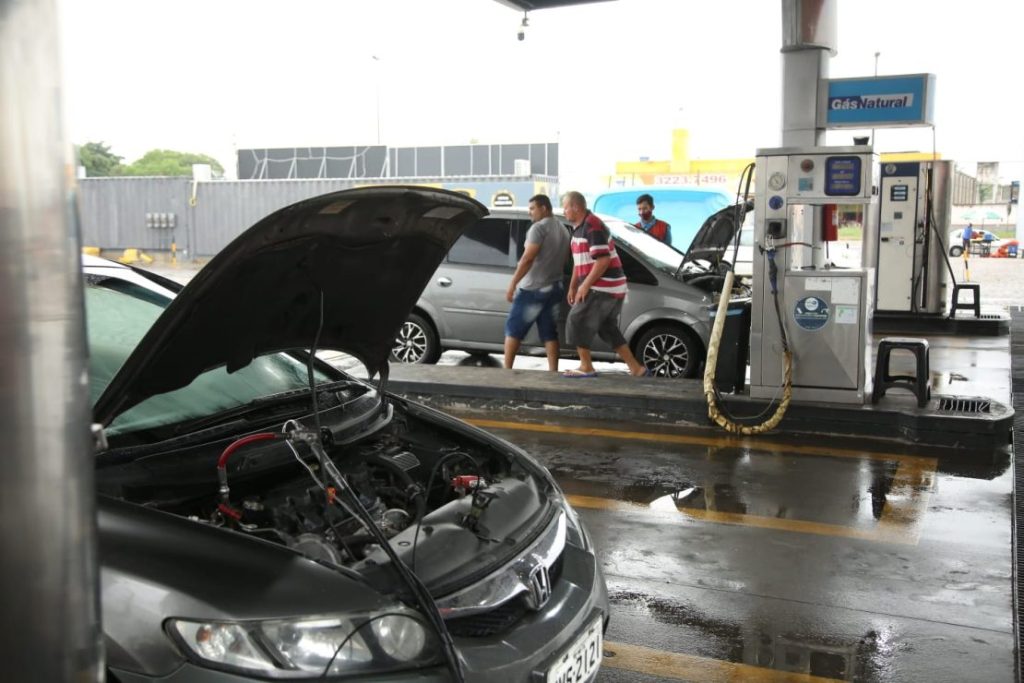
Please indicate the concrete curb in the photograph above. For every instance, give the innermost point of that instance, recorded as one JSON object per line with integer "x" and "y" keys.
{"x": 523, "y": 393}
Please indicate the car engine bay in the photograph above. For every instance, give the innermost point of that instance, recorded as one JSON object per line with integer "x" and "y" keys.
{"x": 412, "y": 477}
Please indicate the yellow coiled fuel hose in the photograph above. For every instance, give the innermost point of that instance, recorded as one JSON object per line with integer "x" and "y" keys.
{"x": 709, "y": 375}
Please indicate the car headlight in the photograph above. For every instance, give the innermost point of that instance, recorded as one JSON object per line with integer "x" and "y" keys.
{"x": 309, "y": 648}
{"x": 575, "y": 532}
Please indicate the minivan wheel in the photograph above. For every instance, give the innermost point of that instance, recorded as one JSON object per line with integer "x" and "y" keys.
{"x": 956, "y": 251}
{"x": 416, "y": 342}
{"x": 668, "y": 351}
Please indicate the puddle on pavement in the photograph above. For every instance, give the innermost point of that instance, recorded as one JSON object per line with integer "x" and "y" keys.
{"x": 866, "y": 494}
{"x": 846, "y": 492}
{"x": 944, "y": 379}
{"x": 761, "y": 642}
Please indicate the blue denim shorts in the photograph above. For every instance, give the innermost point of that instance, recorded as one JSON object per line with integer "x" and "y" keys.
{"x": 534, "y": 306}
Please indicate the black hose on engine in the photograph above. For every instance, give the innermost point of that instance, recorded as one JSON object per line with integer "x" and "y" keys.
{"x": 413, "y": 491}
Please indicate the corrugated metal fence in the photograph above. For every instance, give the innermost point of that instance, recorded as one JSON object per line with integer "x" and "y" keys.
{"x": 201, "y": 218}
{"x": 223, "y": 210}
{"x": 113, "y": 211}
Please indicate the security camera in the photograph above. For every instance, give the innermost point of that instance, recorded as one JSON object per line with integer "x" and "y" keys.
{"x": 521, "y": 34}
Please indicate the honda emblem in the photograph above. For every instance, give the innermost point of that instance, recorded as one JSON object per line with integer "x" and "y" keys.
{"x": 539, "y": 586}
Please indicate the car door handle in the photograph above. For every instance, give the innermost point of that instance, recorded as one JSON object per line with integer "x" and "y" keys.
{"x": 444, "y": 281}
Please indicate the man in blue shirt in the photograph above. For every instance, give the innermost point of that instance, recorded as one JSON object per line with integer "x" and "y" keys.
{"x": 966, "y": 236}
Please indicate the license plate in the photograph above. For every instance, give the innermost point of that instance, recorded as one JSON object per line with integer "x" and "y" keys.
{"x": 579, "y": 662}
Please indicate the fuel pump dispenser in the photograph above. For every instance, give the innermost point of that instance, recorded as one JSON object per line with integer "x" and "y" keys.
{"x": 913, "y": 238}
{"x": 910, "y": 250}
{"x": 825, "y": 311}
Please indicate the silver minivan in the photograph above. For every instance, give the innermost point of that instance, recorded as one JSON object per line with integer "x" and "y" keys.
{"x": 665, "y": 317}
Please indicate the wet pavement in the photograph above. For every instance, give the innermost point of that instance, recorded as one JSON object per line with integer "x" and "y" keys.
{"x": 964, "y": 366}
{"x": 766, "y": 560}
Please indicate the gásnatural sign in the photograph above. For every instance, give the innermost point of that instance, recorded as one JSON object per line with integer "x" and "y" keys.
{"x": 878, "y": 102}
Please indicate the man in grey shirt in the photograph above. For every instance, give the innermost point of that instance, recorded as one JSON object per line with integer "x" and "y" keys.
{"x": 538, "y": 278}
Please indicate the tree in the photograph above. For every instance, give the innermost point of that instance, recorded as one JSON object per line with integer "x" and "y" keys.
{"x": 168, "y": 162}
{"x": 98, "y": 159}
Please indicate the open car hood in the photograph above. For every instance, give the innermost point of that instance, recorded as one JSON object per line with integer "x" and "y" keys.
{"x": 367, "y": 252}
{"x": 715, "y": 238}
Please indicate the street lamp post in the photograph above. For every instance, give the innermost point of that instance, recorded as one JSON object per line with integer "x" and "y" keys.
{"x": 376, "y": 85}
{"x": 876, "y": 74}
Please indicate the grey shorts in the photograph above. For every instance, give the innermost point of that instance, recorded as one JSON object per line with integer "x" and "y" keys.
{"x": 597, "y": 315}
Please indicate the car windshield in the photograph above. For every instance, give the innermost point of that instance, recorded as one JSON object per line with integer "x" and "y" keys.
{"x": 118, "y": 315}
{"x": 654, "y": 251}
{"x": 747, "y": 232}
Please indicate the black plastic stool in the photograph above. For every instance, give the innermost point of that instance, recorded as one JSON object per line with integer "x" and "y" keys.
{"x": 919, "y": 383}
{"x": 969, "y": 306}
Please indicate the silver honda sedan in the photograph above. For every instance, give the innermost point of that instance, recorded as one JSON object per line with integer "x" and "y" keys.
{"x": 264, "y": 516}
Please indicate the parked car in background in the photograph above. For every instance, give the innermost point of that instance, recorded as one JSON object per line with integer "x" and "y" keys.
{"x": 956, "y": 242}
{"x": 744, "y": 265}
{"x": 264, "y": 516}
{"x": 665, "y": 317}
{"x": 684, "y": 208}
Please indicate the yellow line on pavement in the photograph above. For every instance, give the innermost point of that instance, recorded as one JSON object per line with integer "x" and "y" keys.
{"x": 891, "y": 535}
{"x": 680, "y": 667}
{"x": 713, "y": 441}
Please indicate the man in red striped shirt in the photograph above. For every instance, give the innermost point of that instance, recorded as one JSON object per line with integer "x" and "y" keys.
{"x": 596, "y": 289}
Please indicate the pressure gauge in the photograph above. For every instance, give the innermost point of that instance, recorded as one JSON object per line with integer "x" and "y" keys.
{"x": 777, "y": 180}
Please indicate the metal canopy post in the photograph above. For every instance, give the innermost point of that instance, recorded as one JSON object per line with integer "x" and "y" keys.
{"x": 47, "y": 497}
{"x": 808, "y": 42}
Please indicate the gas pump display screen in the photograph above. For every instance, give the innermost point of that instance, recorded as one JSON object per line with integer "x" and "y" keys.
{"x": 842, "y": 176}
{"x": 899, "y": 193}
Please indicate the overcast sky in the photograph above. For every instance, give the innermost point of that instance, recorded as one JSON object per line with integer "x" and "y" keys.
{"x": 608, "y": 81}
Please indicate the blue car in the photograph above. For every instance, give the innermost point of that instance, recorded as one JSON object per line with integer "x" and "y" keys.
{"x": 684, "y": 208}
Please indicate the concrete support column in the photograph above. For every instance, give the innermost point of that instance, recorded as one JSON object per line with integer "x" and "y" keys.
{"x": 808, "y": 42}
{"x": 801, "y": 72}
{"x": 47, "y": 496}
